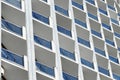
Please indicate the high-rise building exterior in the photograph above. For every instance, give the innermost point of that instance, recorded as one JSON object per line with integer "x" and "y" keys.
{"x": 60, "y": 39}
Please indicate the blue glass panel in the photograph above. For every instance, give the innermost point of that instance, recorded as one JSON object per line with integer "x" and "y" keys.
{"x": 64, "y": 31}
{"x": 117, "y": 34}
{"x": 116, "y": 77}
{"x": 77, "y": 5}
{"x": 67, "y": 53}
{"x": 11, "y": 27}
{"x": 84, "y": 42}
{"x": 81, "y": 23}
{"x": 69, "y": 77}
{"x": 106, "y": 26}
{"x": 99, "y": 51}
{"x": 42, "y": 42}
{"x": 104, "y": 71}
{"x": 103, "y": 11}
{"x": 87, "y": 63}
{"x": 40, "y": 17}
{"x": 45, "y": 69}
{"x": 61, "y": 10}
{"x": 114, "y": 21}
{"x": 16, "y": 3}
{"x": 96, "y": 33}
{"x": 113, "y": 59}
{"x": 110, "y": 42}
{"x": 91, "y": 1}
{"x": 45, "y": 0}
{"x": 12, "y": 57}
{"x": 111, "y": 7}
{"x": 93, "y": 16}
{"x": 118, "y": 48}
{"x": 118, "y": 14}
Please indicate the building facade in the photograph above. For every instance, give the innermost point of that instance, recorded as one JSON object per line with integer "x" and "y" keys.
{"x": 60, "y": 40}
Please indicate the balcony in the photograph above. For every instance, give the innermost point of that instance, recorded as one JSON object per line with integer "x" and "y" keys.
{"x": 12, "y": 57}
{"x": 67, "y": 53}
{"x": 104, "y": 71}
{"x": 61, "y": 10}
{"x": 96, "y": 33}
{"x": 91, "y": 1}
{"x": 77, "y": 5}
{"x": 43, "y": 42}
{"x": 109, "y": 42}
{"x": 114, "y": 21}
{"x": 84, "y": 42}
{"x": 106, "y": 26}
{"x": 116, "y": 77}
{"x": 117, "y": 34}
{"x": 87, "y": 63}
{"x": 99, "y": 51}
{"x": 81, "y": 23}
{"x": 45, "y": 69}
{"x": 69, "y": 77}
{"x": 111, "y": 7}
{"x": 40, "y": 17}
{"x": 11, "y": 27}
{"x": 102, "y": 11}
{"x": 93, "y": 16}
{"x": 113, "y": 59}
{"x": 64, "y": 31}
{"x": 16, "y": 3}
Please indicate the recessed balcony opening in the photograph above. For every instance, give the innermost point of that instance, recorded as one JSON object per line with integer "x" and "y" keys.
{"x": 80, "y": 17}
{"x": 89, "y": 74}
{"x": 118, "y": 43}
{"x": 86, "y": 57}
{"x": 71, "y": 72}
{"x": 116, "y": 30}
{"x": 110, "y": 5}
{"x": 12, "y": 72}
{"x": 91, "y": 2}
{"x": 67, "y": 50}
{"x": 108, "y": 37}
{"x": 62, "y": 6}
{"x": 64, "y": 25}
{"x": 103, "y": 67}
{"x": 112, "y": 54}
{"x": 41, "y": 11}
{"x": 95, "y": 28}
{"x": 83, "y": 36}
{"x": 45, "y": 61}
{"x": 12, "y": 15}
{"x": 103, "y": 77}
{"x": 99, "y": 46}
{"x": 78, "y": 4}
{"x": 92, "y": 11}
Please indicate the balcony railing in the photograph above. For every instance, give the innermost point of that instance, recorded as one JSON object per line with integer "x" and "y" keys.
{"x": 40, "y": 17}
{"x": 43, "y": 42}
{"x": 67, "y": 53}
{"x": 111, "y": 7}
{"x": 96, "y": 33}
{"x": 91, "y": 1}
{"x": 16, "y": 3}
{"x": 113, "y": 59}
{"x": 104, "y": 71}
{"x": 116, "y": 77}
{"x": 100, "y": 51}
{"x": 115, "y": 21}
{"x": 61, "y": 10}
{"x": 93, "y": 16}
{"x": 45, "y": 69}
{"x": 12, "y": 57}
{"x": 81, "y": 23}
{"x": 68, "y": 77}
{"x": 77, "y": 5}
{"x": 109, "y": 42}
{"x": 64, "y": 31}
{"x": 84, "y": 42}
{"x": 106, "y": 26}
{"x": 11, "y": 27}
{"x": 87, "y": 63}
{"x": 102, "y": 11}
{"x": 117, "y": 34}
